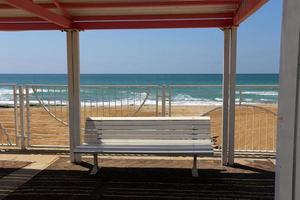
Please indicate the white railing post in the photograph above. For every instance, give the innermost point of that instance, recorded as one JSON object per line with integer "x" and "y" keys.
{"x": 157, "y": 100}
{"x": 28, "y": 116}
{"x": 15, "y": 93}
{"x": 240, "y": 96}
{"x": 163, "y": 101}
{"x": 22, "y": 129}
{"x": 170, "y": 101}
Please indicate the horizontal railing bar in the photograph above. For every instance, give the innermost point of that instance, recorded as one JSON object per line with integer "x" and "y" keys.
{"x": 8, "y": 84}
{"x": 45, "y": 85}
{"x": 49, "y": 146}
{"x": 254, "y": 151}
{"x": 241, "y": 86}
{"x": 120, "y": 85}
{"x": 258, "y": 86}
{"x": 172, "y": 86}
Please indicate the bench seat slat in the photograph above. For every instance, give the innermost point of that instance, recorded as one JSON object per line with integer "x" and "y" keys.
{"x": 150, "y": 121}
{"x": 147, "y": 136}
{"x": 147, "y": 131}
{"x": 202, "y": 131}
{"x": 130, "y": 119}
{"x": 142, "y": 150}
{"x": 148, "y": 147}
{"x": 148, "y": 127}
{"x": 155, "y": 142}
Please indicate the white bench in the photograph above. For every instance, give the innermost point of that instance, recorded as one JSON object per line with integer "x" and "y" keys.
{"x": 179, "y": 136}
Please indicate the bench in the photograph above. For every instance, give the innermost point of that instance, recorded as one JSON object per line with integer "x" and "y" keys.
{"x": 170, "y": 136}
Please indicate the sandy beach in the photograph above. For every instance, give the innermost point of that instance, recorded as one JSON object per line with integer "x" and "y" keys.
{"x": 255, "y": 125}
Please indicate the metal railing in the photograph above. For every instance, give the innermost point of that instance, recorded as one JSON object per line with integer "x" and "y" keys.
{"x": 197, "y": 95}
{"x": 51, "y": 101}
{"x": 256, "y": 113}
{"x": 42, "y": 120}
{"x": 9, "y": 123}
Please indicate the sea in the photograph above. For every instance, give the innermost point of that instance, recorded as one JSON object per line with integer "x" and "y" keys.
{"x": 263, "y": 87}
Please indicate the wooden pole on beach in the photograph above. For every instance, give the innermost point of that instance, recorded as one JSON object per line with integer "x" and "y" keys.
{"x": 73, "y": 56}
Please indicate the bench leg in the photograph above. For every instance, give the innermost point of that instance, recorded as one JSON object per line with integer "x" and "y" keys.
{"x": 194, "y": 169}
{"x": 95, "y": 168}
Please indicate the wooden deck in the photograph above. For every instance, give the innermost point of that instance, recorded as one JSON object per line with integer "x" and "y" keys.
{"x": 151, "y": 178}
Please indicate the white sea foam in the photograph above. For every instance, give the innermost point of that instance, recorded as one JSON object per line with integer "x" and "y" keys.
{"x": 134, "y": 98}
{"x": 6, "y": 103}
{"x": 262, "y": 93}
{"x": 6, "y": 91}
{"x": 184, "y": 99}
{"x": 218, "y": 99}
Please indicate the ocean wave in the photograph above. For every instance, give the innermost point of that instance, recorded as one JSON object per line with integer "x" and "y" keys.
{"x": 262, "y": 93}
{"x": 6, "y": 91}
{"x": 185, "y": 99}
{"x": 202, "y": 102}
{"x": 133, "y": 98}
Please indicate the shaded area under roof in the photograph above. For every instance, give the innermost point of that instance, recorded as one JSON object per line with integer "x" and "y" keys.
{"x": 16, "y": 15}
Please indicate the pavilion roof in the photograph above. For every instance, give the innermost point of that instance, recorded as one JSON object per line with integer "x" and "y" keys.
{"x": 18, "y": 15}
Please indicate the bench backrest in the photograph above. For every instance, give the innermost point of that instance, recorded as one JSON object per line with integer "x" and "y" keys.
{"x": 148, "y": 128}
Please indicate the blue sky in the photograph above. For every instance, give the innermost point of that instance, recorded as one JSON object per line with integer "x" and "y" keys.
{"x": 148, "y": 51}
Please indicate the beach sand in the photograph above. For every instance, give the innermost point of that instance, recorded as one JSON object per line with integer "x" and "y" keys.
{"x": 255, "y": 125}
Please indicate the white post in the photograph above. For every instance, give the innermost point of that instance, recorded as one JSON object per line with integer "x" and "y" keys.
{"x": 288, "y": 145}
{"x": 170, "y": 101}
{"x": 28, "y": 117}
{"x": 74, "y": 92}
{"x": 16, "y": 114}
{"x": 232, "y": 83}
{"x": 22, "y": 128}
{"x": 163, "y": 101}
{"x": 225, "y": 96}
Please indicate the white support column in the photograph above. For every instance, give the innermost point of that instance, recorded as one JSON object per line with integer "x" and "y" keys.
{"x": 287, "y": 185}
{"x": 74, "y": 92}
{"x": 226, "y": 63}
{"x": 232, "y": 83}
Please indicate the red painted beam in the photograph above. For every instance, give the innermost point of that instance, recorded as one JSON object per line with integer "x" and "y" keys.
{"x": 150, "y": 3}
{"x": 21, "y": 19}
{"x": 28, "y": 26}
{"x": 62, "y": 9}
{"x": 220, "y": 23}
{"x": 155, "y": 24}
{"x": 41, "y": 12}
{"x": 246, "y": 9}
{"x": 155, "y": 17}
{"x": 127, "y": 17}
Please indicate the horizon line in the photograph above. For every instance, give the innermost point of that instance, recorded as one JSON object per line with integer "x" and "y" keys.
{"x": 131, "y": 73}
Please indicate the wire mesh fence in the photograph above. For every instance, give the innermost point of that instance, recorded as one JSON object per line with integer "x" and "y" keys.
{"x": 9, "y": 124}
{"x": 44, "y": 111}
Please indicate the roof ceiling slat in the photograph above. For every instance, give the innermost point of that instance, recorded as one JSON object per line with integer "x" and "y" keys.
{"x": 128, "y": 3}
{"x": 127, "y": 17}
{"x": 41, "y": 12}
{"x": 116, "y": 14}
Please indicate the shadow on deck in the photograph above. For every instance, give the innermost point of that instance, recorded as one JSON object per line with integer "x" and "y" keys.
{"x": 249, "y": 179}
